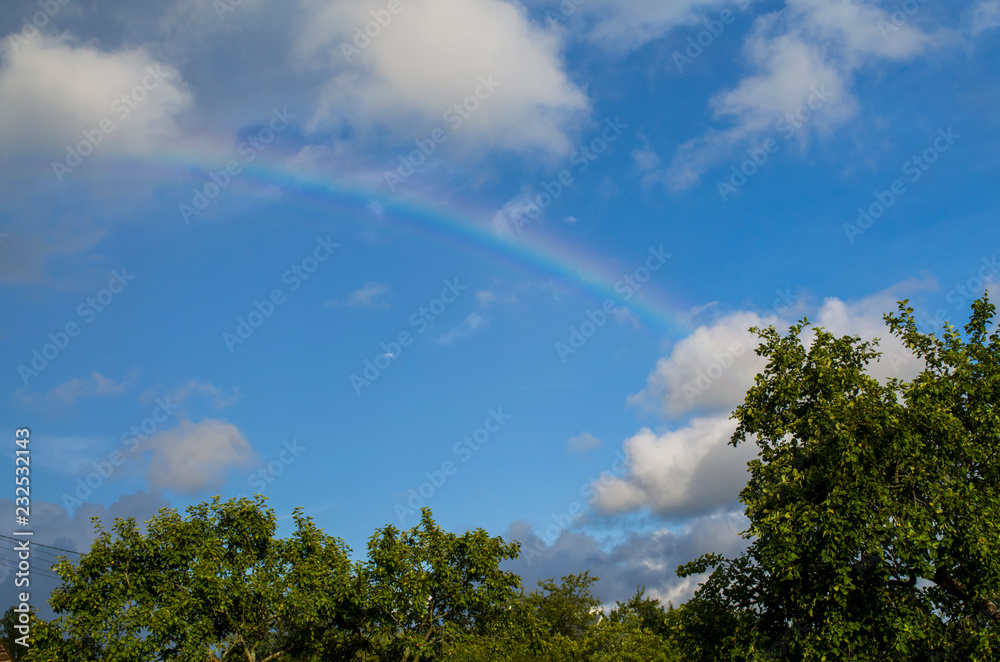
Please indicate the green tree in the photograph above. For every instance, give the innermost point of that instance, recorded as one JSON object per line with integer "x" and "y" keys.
{"x": 645, "y": 613}
{"x": 567, "y": 609}
{"x": 874, "y": 506}
{"x": 639, "y": 629}
{"x": 422, "y": 588}
{"x": 9, "y": 634}
{"x": 560, "y": 623}
{"x": 215, "y": 582}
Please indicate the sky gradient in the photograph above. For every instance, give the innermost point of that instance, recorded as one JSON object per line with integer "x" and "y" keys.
{"x": 496, "y": 258}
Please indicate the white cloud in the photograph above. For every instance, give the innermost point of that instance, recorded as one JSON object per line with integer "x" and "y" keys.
{"x": 513, "y": 216}
{"x": 468, "y": 327}
{"x": 79, "y": 388}
{"x": 431, "y": 56}
{"x": 70, "y": 455}
{"x": 645, "y": 159}
{"x": 583, "y": 443}
{"x": 368, "y": 296}
{"x": 983, "y": 16}
{"x": 218, "y": 396}
{"x": 52, "y": 91}
{"x": 865, "y": 318}
{"x": 194, "y": 457}
{"x": 691, "y": 469}
{"x": 679, "y": 473}
{"x": 624, "y": 25}
{"x": 810, "y": 45}
{"x": 711, "y": 369}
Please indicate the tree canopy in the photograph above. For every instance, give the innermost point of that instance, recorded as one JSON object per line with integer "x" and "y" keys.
{"x": 874, "y": 506}
{"x": 874, "y": 510}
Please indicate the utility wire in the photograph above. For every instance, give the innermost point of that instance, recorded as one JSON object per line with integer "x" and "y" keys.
{"x": 38, "y": 544}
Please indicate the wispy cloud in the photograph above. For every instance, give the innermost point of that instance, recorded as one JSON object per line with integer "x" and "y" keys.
{"x": 369, "y": 295}
{"x": 469, "y": 326}
{"x": 583, "y": 443}
{"x": 75, "y": 390}
{"x": 810, "y": 45}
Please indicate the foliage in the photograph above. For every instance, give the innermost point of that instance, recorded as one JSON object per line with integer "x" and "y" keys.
{"x": 214, "y": 582}
{"x": 874, "y": 507}
{"x": 420, "y": 588}
{"x": 567, "y": 609}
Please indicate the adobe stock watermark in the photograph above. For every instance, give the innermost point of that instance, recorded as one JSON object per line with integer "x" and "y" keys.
{"x": 131, "y": 439}
{"x": 899, "y": 17}
{"x": 363, "y": 35}
{"x": 60, "y": 340}
{"x": 626, "y": 287}
{"x": 223, "y": 7}
{"x": 202, "y": 197}
{"x": 758, "y": 155}
{"x": 566, "y": 9}
{"x": 782, "y": 304}
{"x": 464, "y": 449}
{"x": 705, "y": 378}
{"x": 264, "y": 475}
{"x": 714, "y": 28}
{"x": 913, "y": 168}
{"x": 122, "y": 107}
{"x": 30, "y": 28}
{"x": 562, "y": 521}
{"x": 454, "y": 117}
{"x": 421, "y": 320}
{"x": 581, "y": 158}
{"x": 294, "y": 276}
{"x": 964, "y": 293}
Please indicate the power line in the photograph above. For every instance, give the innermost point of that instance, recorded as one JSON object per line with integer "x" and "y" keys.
{"x": 48, "y": 574}
{"x": 39, "y": 553}
{"x": 38, "y": 544}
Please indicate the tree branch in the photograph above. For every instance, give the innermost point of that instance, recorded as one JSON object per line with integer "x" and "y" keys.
{"x": 956, "y": 588}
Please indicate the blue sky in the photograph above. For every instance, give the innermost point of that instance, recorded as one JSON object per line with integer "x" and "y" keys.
{"x": 496, "y": 258}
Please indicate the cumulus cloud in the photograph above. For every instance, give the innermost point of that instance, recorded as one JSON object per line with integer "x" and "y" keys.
{"x": 469, "y": 326}
{"x": 865, "y": 318}
{"x": 434, "y": 54}
{"x": 647, "y": 558}
{"x": 805, "y": 56}
{"x": 709, "y": 370}
{"x": 583, "y": 443}
{"x": 680, "y": 473}
{"x": 691, "y": 469}
{"x": 52, "y": 91}
{"x": 195, "y": 457}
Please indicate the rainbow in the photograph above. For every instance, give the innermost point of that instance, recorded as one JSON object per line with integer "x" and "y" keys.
{"x": 471, "y": 230}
